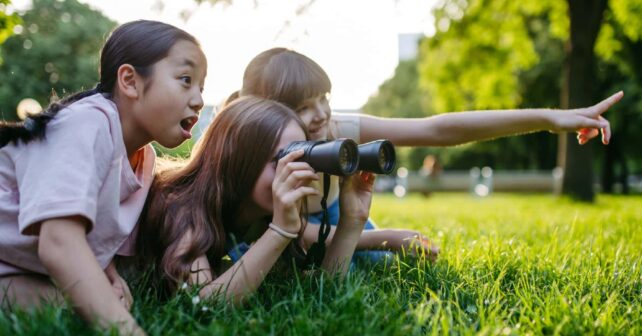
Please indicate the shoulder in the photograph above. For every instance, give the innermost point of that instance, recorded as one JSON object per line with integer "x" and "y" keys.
{"x": 345, "y": 125}
{"x": 343, "y": 117}
{"x": 90, "y": 125}
{"x": 93, "y": 113}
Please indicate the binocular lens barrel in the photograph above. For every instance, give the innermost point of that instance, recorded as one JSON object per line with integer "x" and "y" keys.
{"x": 338, "y": 157}
{"x": 343, "y": 157}
{"x": 377, "y": 157}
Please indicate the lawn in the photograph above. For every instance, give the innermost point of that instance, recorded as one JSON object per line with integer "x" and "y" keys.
{"x": 510, "y": 265}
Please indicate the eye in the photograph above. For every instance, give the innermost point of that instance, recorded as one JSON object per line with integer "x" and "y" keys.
{"x": 186, "y": 80}
{"x": 302, "y": 109}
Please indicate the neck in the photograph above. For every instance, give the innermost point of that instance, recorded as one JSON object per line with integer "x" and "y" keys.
{"x": 133, "y": 136}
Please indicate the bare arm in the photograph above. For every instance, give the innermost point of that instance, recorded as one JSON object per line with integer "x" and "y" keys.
{"x": 461, "y": 127}
{"x": 65, "y": 253}
{"x": 245, "y": 276}
{"x": 355, "y": 200}
{"x": 290, "y": 185}
{"x": 394, "y": 240}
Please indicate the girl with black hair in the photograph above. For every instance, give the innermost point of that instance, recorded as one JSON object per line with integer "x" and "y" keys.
{"x": 73, "y": 179}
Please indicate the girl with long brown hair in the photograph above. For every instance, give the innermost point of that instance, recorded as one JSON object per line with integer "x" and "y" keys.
{"x": 232, "y": 187}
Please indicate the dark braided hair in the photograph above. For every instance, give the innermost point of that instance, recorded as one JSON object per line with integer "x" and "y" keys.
{"x": 138, "y": 43}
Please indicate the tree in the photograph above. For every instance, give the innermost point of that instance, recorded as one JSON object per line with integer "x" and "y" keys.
{"x": 57, "y": 50}
{"x": 619, "y": 47}
{"x": 483, "y": 48}
{"x": 579, "y": 90}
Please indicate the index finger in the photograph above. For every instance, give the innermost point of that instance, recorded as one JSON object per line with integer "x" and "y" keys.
{"x": 290, "y": 157}
{"x": 608, "y": 102}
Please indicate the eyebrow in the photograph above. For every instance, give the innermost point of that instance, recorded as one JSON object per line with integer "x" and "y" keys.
{"x": 188, "y": 62}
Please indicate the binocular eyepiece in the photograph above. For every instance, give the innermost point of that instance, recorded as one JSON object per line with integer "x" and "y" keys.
{"x": 344, "y": 157}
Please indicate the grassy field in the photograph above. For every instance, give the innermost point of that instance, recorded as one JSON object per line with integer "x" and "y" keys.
{"x": 510, "y": 265}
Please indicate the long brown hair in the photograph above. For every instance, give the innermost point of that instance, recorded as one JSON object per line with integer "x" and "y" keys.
{"x": 286, "y": 76}
{"x": 203, "y": 197}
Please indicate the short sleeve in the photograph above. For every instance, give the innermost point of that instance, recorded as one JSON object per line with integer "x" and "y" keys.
{"x": 346, "y": 125}
{"x": 62, "y": 175}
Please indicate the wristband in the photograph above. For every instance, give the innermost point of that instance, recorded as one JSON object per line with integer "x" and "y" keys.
{"x": 283, "y": 232}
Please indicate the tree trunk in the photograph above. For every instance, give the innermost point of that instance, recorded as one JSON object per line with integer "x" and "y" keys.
{"x": 586, "y": 19}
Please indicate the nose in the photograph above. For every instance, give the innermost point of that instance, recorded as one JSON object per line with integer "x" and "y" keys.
{"x": 320, "y": 112}
{"x": 196, "y": 102}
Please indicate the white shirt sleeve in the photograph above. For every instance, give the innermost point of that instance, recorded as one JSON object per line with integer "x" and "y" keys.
{"x": 345, "y": 125}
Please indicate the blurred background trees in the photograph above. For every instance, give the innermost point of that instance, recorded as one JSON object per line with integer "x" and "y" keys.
{"x": 7, "y": 21}
{"x": 496, "y": 54}
{"x": 485, "y": 54}
{"x": 55, "y": 48}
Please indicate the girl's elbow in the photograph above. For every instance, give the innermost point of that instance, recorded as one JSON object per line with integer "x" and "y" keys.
{"x": 51, "y": 249}
{"x": 57, "y": 241}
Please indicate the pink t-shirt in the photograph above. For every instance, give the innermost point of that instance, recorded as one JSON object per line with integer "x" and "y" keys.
{"x": 81, "y": 168}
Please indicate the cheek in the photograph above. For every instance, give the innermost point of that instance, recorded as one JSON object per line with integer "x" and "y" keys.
{"x": 263, "y": 187}
{"x": 327, "y": 109}
{"x": 306, "y": 117}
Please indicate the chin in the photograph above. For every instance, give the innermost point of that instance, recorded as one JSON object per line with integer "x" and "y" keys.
{"x": 319, "y": 136}
{"x": 172, "y": 143}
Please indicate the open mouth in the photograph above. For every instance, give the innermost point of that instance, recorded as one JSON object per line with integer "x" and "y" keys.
{"x": 188, "y": 123}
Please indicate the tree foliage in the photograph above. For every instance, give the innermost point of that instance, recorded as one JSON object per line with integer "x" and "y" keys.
{"x": 400, "y": 95}
{"x": 7, "y": 22}
{"x": 57, "y": 50}
{"x": 481, "y": 48}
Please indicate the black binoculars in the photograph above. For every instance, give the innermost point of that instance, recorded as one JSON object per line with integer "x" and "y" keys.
{"x": 344, "y": 157}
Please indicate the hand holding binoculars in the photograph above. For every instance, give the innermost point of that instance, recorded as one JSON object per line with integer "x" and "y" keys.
{"x": 344, "y": 157}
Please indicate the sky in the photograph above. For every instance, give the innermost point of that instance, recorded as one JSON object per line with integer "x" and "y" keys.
{"x": 355, "y": 41}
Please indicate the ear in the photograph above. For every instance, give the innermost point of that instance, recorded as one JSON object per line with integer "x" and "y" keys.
{"x": 128, "y": 82}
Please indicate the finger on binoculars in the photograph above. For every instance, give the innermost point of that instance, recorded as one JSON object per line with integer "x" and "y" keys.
{"x": 290, "y": 167}
{"x": 301, "y": 176}
{"x": 292, "y": 156}
{"x": 295, "y": 195}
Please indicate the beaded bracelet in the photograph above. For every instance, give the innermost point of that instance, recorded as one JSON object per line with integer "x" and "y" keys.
{"x": 283, "y": 232}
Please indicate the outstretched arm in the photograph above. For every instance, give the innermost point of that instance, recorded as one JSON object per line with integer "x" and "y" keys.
{"x": 461, "y": 127}
{"x": 65, "y": 253}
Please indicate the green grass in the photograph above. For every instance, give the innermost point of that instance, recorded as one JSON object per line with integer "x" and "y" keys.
{"x": 510, "y": 265}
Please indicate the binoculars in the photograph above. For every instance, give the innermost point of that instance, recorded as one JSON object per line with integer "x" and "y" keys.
{"x": 344, "y": 157}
